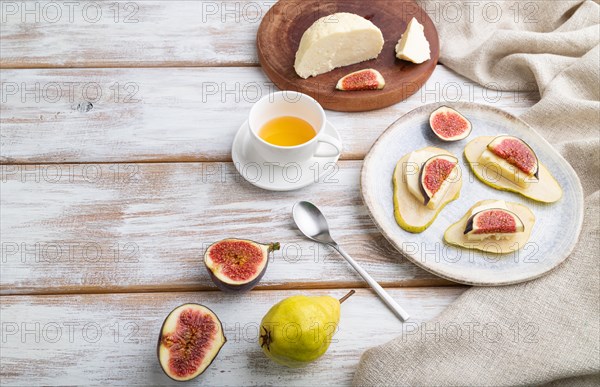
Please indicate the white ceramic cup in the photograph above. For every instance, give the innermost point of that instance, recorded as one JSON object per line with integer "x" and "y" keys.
{"x": 295, "y": 104}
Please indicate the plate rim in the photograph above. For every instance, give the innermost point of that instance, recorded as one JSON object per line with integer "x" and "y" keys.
{"x": 368, "y": 201}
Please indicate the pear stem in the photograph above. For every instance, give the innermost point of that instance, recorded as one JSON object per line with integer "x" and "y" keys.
{"x": 273, "y": 246}
{"x": 351, "y": 292}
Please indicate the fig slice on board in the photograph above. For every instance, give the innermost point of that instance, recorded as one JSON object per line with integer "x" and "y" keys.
{"x": 368, "y": 79}
{"x": 237, "y": 265}
{"x": 449, "y": 125}
{"x": 190, "y": 338}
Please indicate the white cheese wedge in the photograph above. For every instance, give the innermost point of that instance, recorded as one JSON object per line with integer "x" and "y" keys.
{"x": 337, "y": 40}
{"x": 413, "y": 182}
{"x": 413, "y": 45}
{"x": 497, "y": 167}
{"x": 479, "y": 237}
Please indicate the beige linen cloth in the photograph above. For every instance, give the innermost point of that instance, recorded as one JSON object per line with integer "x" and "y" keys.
{"x": 548, "y": 329}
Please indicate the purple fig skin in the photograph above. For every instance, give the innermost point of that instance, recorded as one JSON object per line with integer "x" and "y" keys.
{"x": 229, "y": 288}
{"x": 160, "y": 337}
{"x": 241, "y": 288}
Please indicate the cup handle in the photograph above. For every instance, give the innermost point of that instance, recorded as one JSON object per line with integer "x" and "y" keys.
{"x": 333, "y": 142}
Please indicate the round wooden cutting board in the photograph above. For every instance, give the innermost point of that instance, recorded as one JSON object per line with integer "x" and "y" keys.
{"x": 283, "y": 26}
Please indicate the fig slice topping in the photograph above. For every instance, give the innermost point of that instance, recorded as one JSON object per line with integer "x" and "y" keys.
{"x": 517, "y": 153}
{"x": 368, "y": 79}
{"x": 434, "y": 176}
{"x": 449, "y": 125}
{"x": 190, "y": 338}
{"x": 494, "y": 221}
{"x": 237, "y": 264}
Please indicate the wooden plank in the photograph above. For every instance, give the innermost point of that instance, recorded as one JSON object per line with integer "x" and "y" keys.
{"x": 111, "y": 339}
{"x": 137, "y": 227}
{"x": 140, "y": 33}
{"x": 181, "y": 114}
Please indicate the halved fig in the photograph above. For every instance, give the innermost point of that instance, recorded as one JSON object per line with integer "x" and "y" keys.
{"x": 237, "y": 264}
{"x": 410, "y": 212}
{"x": 461, "y": 233}
{"x": 368, "y": 79}
{"x": 449, "y": 125}
{"x": 434, "y": 180}
{"x": 498, "y": 173}
{"x": 517, "y": 153}
{"x": 493, "y": 222}
{"x": 190, "y": 339}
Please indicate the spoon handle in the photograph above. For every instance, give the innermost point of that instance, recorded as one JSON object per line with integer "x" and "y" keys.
{"x": 385, "y": 296}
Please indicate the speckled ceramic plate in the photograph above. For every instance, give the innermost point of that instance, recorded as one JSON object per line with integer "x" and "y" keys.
{"x": 557, "y": 225}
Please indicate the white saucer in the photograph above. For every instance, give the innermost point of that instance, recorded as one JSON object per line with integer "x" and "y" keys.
{"x": 279, "y": 176}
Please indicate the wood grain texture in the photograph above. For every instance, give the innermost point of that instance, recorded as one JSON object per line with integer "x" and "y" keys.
{"x": 135, "y": 227}
{"x": 140, "y": 33}
{"x": 111, "y": 339}
{"x": 279, "y": 36}
{"x": 178, "y": 114}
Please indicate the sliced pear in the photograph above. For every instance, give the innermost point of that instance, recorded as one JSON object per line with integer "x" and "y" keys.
{"x": 455, "y": 234}
{"x": 411, "y": 214}
{"x": 546, "y": 189}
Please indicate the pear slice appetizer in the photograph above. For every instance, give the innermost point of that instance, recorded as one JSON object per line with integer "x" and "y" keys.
{"x": 541, "y": 187}
{"x": 456, "y": 234}
{"x": 412, "y": 214}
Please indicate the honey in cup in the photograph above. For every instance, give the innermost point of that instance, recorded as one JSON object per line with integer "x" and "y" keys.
{"x": 287, "y": 131}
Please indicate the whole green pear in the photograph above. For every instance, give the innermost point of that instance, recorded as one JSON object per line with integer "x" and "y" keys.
{"x": 298, "y": 329}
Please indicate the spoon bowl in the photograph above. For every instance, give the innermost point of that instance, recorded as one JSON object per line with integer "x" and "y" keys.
{"x": 312, "y": 223}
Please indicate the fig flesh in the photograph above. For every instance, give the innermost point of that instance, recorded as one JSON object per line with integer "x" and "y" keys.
{"x": 493, "y": 222}
{"x": 492, "y": 172}
{"x": 517, "y": 153}
{"x": 190, "y": 339}
{"x": 237, "y": 264}
{"x": 449, "y": 125}
{"x": 368, "y": 79}
{"x": 435, "y": 179}
{"x": 409, "y": 210}
{"x": 493, "y": 243}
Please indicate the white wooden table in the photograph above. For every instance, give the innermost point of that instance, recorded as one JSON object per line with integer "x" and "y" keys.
{"x": 116, "y": 125}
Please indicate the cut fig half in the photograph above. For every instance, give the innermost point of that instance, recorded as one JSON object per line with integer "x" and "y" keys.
{"x": 368, "y": 79}
{"x": 487, "y": 217}
{"x": 517, "y": 153}
{"x": 499, "y": 174}
{"x": 449, "y": 125}
{"x": 435, "y": 178}
{"x": 237, "y": 265}
{"x": 493, "y": 222}
{"x": 190, "y": 339}
{"x": 409, "y": 210}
